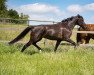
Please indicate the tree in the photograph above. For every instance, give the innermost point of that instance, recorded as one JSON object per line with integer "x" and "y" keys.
{"x": 22, "y": 16}
{"x": 13, "y": 14}
{"x": 3, "y": 8}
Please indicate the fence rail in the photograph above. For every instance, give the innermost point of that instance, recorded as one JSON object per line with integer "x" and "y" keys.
{"x": 27, "y": 21}
{"x": 22, "y": 21}
{"x": 91, "y": 32}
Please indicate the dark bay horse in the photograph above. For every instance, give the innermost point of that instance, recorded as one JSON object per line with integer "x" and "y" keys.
{"x": 59, "y": 32}
{"x": 85, "y": 37}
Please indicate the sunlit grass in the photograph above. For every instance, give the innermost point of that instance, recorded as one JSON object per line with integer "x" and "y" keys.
{"x": 66, "y": 61}
{"x": 9, "y": 32}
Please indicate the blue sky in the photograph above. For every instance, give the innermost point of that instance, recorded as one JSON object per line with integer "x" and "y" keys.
{"x": 54, "y": 9}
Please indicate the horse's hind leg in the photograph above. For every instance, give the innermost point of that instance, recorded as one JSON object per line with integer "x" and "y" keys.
{"x": 26, "y": 45}
{"x": 34, "y": 38}
{"x": 32, "y": 41}
{"x": 29, "y": 43}
{"x": 56, "y": 46}
{"x": 37, "y": 47}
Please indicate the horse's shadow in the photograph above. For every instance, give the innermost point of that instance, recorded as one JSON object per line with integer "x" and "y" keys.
{"x": 68, "y": 44}
{"x": 30, "y": 52}
{"x": 46, "y": 49}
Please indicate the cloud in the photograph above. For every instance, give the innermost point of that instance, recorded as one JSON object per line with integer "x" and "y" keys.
{"x": 41, "y": 11}
{"x": 39, "y": 8}
{"x": 76, "y": 8}
{"x": 89, "y": 7}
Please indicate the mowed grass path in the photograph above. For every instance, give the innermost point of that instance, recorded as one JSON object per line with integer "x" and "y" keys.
{"x": 66, "y": 61}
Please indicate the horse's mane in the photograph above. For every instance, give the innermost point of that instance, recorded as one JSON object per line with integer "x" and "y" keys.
{"x": 68, "y": 19}
{"x": 71, "y": 18}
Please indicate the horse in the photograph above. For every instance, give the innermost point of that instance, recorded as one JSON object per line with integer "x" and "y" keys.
{"x": 84, "y": 38}
{"x": 60, "y": 31}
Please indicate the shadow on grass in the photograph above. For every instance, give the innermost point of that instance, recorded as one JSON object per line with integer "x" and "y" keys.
{"x": 30, "y": 52}
{"x": 68, "y": 44}
{"x": 64, "y": 47}
{"x": 47, "y": 49}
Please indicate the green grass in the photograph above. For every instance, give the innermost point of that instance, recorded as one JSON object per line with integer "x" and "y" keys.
{"x": 9, "y": 32}
{"x": 66, "y": 61}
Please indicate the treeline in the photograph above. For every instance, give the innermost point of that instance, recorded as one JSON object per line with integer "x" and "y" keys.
{"x": 11, "y": 13}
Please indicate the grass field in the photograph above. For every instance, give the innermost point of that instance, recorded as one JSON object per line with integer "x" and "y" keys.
{"x": 66, "y": 61}
{"x": 8, "y": 32}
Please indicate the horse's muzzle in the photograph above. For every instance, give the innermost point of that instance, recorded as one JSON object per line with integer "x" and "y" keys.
{"x": 84, "y": 27}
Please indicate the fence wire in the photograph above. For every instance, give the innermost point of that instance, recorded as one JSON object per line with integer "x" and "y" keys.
{"x": 10, "y": 28}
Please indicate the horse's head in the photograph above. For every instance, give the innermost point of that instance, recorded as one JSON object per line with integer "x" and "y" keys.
{"x": 80, "y": 21}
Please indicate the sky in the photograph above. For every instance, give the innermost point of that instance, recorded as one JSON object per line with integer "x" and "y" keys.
{"x": 54, "y": 10}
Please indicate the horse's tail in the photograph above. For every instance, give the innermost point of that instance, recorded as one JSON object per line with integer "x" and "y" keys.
{"x": 21, "y": 35}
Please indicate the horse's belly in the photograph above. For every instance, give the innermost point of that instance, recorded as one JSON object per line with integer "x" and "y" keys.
{"x": 53, "y": 37}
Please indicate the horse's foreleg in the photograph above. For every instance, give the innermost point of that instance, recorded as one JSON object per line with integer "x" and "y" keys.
{"x": 87, "y": 40}
{"x": 56, "y": 46}
{"x": 70, "y": 41}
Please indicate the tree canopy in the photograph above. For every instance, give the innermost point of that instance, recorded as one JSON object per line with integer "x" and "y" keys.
{"x": 13, "y": 14}
{"x": 3, "y": 8}
{"x": 10, "y": 13}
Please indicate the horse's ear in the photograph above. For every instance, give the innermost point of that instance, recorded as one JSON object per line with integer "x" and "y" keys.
{"x": 78, "y": 16}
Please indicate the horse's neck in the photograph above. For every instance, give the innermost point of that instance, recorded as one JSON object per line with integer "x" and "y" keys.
{"x": 71, "y": 25}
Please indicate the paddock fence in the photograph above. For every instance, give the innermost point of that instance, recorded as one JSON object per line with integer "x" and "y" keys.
{"x": 10, "y": 28}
